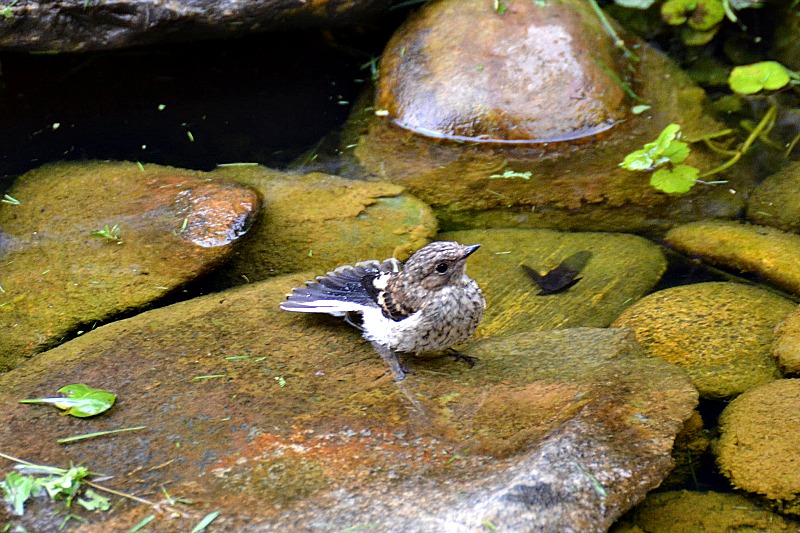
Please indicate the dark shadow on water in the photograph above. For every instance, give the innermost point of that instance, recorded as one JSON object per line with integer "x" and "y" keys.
{"x": 264, "y": 98}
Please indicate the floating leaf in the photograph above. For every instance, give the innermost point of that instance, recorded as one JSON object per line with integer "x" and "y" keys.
{"x": 81, "y": 400}
{"x": 678, "y": 180}
{"x": 749, "y": 79}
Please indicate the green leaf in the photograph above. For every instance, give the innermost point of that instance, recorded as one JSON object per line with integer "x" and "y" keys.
{"x": 92, "y": 501}
{"x": 17, "y": 489}
{"x": 656, "y": 153}
{"x": 511, "y": 174}
{"x": 678, "y": 180}
{"x": 749, "y": 79}
{"x": 65, "y": 486}
{"x": 676, "y": 152}
{"x": 80, "y": 401}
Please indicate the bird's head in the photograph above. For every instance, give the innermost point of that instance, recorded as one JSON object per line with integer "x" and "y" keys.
{"x": 439, "y": 264}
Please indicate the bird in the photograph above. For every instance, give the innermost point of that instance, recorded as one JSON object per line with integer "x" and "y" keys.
{"x": 426, "y": 304}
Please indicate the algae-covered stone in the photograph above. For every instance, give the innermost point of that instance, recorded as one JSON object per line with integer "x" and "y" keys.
{"x": 88, "y": 241}
{"x": 721, "y": 333}
{"x": 283, "y": 421}
{"x": 316, "y": 222}
{"x": 758, "y": 445}
{"x": 621, "y": 269}
{"x": 520, "y": 119}
{"x": 787, "y": 343}
{"x": 768, "y": 252}
{"x": 775, "y": 202}
{"x": 701, "y": 512}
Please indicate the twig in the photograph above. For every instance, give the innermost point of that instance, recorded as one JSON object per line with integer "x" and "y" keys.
{"x": 618, "y": 42}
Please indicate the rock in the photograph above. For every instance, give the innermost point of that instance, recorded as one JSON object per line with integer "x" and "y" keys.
{"x": 786, "y": 347}
{"x": 786, "y": 47}
{"x": 758, "y": 446}
{"x": 775, "y": 201}
{"x": 317, "y": 222}
{"x": 514, "y": 120}
{"x": 690, "y": 445}
{"x": 710, "y": 512}
{"x": 622, "y": 269}
{"x": 721, "y": 333}
{"x": 770, "y": 253}
{"x": 292, "y": 422}
{"x": 64, "y": 27}
{"x": 173, "y": 226}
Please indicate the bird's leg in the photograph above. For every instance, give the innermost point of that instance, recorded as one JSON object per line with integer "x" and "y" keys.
{"x": 458, "y": 356}
{"x": 390, "y": 356}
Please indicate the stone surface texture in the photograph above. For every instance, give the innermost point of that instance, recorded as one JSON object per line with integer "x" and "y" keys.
{"x": 316, "y": 222}
{"x": 293, "y": 423}
{"x": 771, "y": 253}
{"x": 621, "y": 270}
{"x": 56, "y": 25}
{"x": 57, "y": 277}
{"x": 758, "y": 446}
{"x": 721, "y": 333}
{"x": 701, "y": 512}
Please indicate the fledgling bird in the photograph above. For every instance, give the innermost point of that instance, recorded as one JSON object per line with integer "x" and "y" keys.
{"x": 425, "y": 305}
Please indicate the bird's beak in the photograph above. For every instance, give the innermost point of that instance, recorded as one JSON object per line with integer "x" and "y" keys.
{"x": 471, "y": 249}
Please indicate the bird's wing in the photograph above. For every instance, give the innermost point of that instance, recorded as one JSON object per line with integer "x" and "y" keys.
{"x": 346, "y": 289}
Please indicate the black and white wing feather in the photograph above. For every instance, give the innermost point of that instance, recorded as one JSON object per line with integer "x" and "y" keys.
{"x": 346, "y": 289}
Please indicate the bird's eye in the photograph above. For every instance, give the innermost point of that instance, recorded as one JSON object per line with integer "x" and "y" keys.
{"x": 441, "y": 268}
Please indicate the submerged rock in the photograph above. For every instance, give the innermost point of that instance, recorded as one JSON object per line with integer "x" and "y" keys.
{"x": 775, "y": 202}
{"x": 758, "y": 445}
{"x": 787, "y": 343}
{"x": 709, "y": 512}
{"x": 317, "y": 222}
{"x": 293, "y": 423}
{"x": 520, "y": 118}
{"x": 89, "y": 241}
{"x": 772, "y": 254}
{"x": 721, "y": 333}
{"x": 621, "y": 270}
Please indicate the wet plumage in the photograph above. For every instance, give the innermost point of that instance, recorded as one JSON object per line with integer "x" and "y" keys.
{"x": 427, "y": 304}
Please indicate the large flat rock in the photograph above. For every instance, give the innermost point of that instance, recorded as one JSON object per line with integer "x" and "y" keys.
{"x": 291, "y": 422}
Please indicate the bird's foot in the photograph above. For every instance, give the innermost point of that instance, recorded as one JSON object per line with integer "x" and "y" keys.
{"x": 458, "y": 356}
